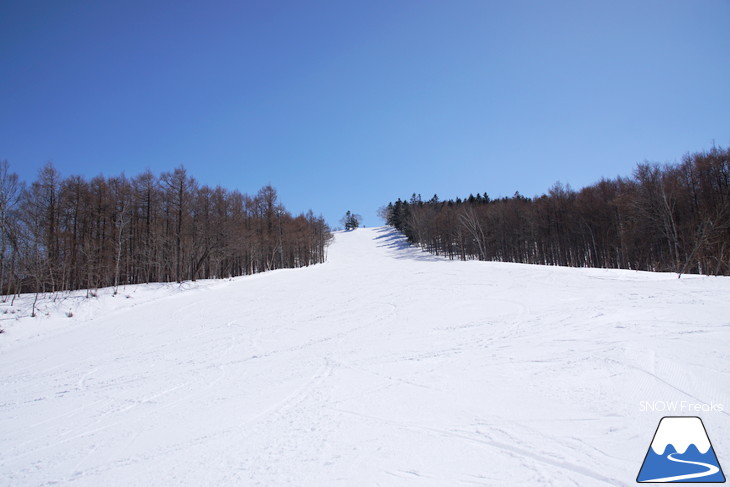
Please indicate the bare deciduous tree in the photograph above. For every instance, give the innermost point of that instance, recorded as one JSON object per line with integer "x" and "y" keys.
{"x": 663, "y": 218}
{"x": 73, "y": 234}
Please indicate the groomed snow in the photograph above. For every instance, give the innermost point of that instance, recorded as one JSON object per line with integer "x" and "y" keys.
{"x": 384, "y": 366}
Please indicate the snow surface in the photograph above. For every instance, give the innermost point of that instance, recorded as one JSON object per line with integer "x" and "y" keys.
{"x": 681, "y": 432}
{"x": 384, "y": 366}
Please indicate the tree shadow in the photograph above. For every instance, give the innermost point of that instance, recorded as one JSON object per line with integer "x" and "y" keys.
{"x": 399, "y": 248}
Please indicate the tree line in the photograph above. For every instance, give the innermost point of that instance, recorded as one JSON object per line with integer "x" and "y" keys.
{"x": 672, "y": 217}
{"x": 75, "y": 233}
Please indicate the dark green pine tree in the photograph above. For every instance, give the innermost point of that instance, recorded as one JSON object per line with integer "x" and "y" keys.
{"x": 351, "y": 220}
{"x": 395, "y": 216}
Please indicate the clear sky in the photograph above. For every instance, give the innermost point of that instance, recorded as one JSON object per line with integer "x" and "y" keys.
{"x": 348, "y": 105}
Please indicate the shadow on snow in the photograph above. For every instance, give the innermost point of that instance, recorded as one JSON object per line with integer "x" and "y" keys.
{"x": 397, "y": 243}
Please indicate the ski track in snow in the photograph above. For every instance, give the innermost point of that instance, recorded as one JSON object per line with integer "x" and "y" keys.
{"x": 384, "y": 366}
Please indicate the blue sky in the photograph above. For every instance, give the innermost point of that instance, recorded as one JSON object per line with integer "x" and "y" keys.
{"x": 348, "y": 105}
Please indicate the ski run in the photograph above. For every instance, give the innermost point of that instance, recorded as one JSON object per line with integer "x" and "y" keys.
{"x": 384, "y": 366}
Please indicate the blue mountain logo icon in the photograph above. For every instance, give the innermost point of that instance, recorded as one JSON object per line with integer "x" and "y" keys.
{"x": 681, "y": 452}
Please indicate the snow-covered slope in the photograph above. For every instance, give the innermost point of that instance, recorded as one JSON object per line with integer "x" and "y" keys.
{"x": 384, "y": 366}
